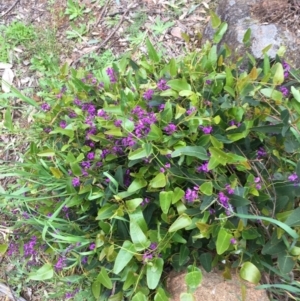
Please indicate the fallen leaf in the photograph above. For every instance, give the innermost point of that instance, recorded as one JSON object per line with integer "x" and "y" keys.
{"x": 176, "y": 32}
{"x": 7, "y": 79}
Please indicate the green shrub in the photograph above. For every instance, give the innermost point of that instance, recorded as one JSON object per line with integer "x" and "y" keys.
{"x": 151, "y": 164}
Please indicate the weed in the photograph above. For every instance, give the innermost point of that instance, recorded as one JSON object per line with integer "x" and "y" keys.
{"x": 77, "y": 32}
{"x": 160, "y": 27}
{"x": 75, "y": 10}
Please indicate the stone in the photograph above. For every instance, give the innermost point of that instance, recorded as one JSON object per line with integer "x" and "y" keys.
{"x": 214, "y": 288}
{"x": 255, "y": 14}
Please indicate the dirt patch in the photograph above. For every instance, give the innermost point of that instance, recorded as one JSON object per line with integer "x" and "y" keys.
{"x": 285, "y": 12}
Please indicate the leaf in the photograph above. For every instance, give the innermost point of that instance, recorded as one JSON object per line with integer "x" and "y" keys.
{"x": 3, "y": 248}
{"x": 293, "y": 219}
{"x": 136, "y": 184}
{"x": 154, "y": 271}
{"x": 206, "y": 188}
{"x": 137, "y": 236}
{"x": 165, "y": 200}
{"x": 151, "y": 51}
{"x": 179, "y": 84}
{"x": 124, "y": 256}
{"x": 43, "y": 273}
{"x": 295, "y": 93}
{"x": 7, "y": 80}
{"x": 155, "y": 133}
{"x": 177, "y": 195}
{"x": 8, "y": 120}
{"x": 223, "y": 241}
{"x": 206, "y": 261}
{"x": 133, "y": 204}
{"x": 193, "y": 151}
{"x": 271, "y": 93}
{"x": 158, "y": 181}
{"x": 247, "y": 36}
{"x": 278, "y": 78}
{"x": 250, "y": 272}
{"x": 104, "y": 279}
{"x": 220, "y": 33}
{"x": 96, "y": 289}
{"x": 106, "y": 211}
{"x": 183, "y": 254}
{"x": 194, "y": 278}
{"x": 56, "y": 172}
{"x": 160, "y": 295}
{"x": 181, "y": 222}
{"x": 139, "y": 297}
{"x": 215, "y": 20}
{"x": 285, "y": 263}
{"x": 187, "y": 297}
{"x": 46, "y": 153}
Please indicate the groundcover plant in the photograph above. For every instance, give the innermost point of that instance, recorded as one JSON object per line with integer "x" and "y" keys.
{"x": 153, "y": 164}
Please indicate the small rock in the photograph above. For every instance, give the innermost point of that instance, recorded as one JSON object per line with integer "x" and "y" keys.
{"x": 239, "y": 17}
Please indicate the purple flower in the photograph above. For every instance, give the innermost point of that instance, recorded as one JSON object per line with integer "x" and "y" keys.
{"x": 45, "y": 107}
{"x": 111, "y": 74}
{"x": 63, "y": 124}
{"x": 286, "y": 68}
{"x": 85, "y": 164}
{"x": 293, "y": 177}
{"x": 148, "y": 94}
{"x": 167, "y": 165}
{"x": 203, "y": 167}
{"x": 223, "y": 200}
{"x": 153, "y": 246}
{"x": 72, "y": 114}
{"x": 208, "y": 81}
{"x": 191, "y": 110}
{"x": 60, "y": 264}
{"x": 91, "y": 156}
{"x": 191, "y": 195}
{"x": 170, "y": 128}
{"x": 229, "y": 189}
{"x": 92, "y": 246}
{"x": 47, "y": 130}
{"x": 233, "y": 241}
{"x": 29, "y": 247}
{"x": 261, "y": 153}
{"x": 84, "y": 260}
{"x": 118, "y": 123}
{"x": 284, "y": 90}
{"x": 75, "y": 182}
{"x": 206, "y": 129}
{"x": 162, "y": 85}
{"x": 145, "y": 201}
{"x": 77, "y": 102}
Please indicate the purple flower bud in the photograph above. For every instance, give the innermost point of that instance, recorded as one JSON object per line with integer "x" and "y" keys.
{"x": 75, "y": 182}
{"x": 45, "y": 107}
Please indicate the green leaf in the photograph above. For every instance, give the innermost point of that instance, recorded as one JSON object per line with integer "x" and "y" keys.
{"x": 206, "y": 188}
{"x": 220, "y": 33}
{"x": 137, "y": 236}
{"x": 293, "y": 219}
{"x": 206, "y": 261}
{"x": 154, "y": 271}
{"x": 139, "y": 297}
{"x": 223, "y": 241}
{"x": 250, "y": 272}
{"x": 46, "y": 153}
{"x": 96, "y": 289}
{"x": 193, "y": 151}
{"x": 155, "y": 133}
{"x": 124, "y": 256}
{"x": 285, "y": 263}
{"x": 296, "y": 93}
{"x": 165, "y": 200}
{"x": 43, "y": 273}
{"x": 183, "y": 254}
{"x": 179, "y": 84}
{"x": 220, "y": 156}
{"x": 181, "y": 222}
{"x": 160, "y": 295}
{"x": 136, "y": 184}
{"x": 247, "y": 36}
{"x": 194, "y": 278}
{"x": 66, "y": 132}
{"x": 278, "y": 78}
{"x": 177, "y": 195}
{"x": 3, "y": 248}
{"x": 133, "y": 204}
{"x": 271, "y": 93}
{"x": 151, "y": 51}
{"x": 215, "y": 20}
{"x": 104, "y": 279}
{"x": 107, "y": 211}
{"x": 158, "y": 181}
{"x": 8, "y": 120}
{"x": 187, "y": 297}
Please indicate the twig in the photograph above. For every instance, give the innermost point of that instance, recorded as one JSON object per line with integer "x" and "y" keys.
{"x": 109, "y": 37}
{"x": 102, "y": 13}
{"x": 12, "y": 6}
